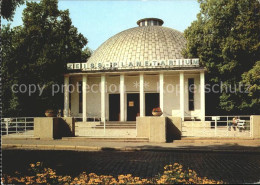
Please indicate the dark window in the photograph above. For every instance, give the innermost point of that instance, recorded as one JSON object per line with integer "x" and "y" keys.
{"x": 149, "y": 23}
{"x": 143, "y": 23}
{"x": 152, "y": 100}
{"x": 191, "y": 93}
{"x": 80, "y": 96}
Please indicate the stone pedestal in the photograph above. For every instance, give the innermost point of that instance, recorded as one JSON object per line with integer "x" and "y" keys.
{"x": 152, "y": 127}
{"x": 53, "y": 128}
{"x": 255, "y": 126}
{"x": 174, "y": 128}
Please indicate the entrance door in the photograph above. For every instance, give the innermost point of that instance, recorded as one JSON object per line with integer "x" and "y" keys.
{"x": 151, "y": 101}
{"x": 114, "y": 107}
{"x": 133, "y": 108}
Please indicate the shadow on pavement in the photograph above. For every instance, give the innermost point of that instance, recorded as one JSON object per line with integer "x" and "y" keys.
{"x": 228, "y": 147}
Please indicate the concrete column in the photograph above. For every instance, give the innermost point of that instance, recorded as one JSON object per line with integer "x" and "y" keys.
{"x": 84, "y": 98}
{"x": 103, "y": 98}
{"x": 202, "y": 96}
{"x": 142, "y": 114}
{"x": 161, "y": 80}
{"x": 66, "y": 96}
{"x": 122, "y": 97}
{"x": 182, "y": 103}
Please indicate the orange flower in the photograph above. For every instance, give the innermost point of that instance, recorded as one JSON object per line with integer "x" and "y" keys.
{"x": 32, "y": 165}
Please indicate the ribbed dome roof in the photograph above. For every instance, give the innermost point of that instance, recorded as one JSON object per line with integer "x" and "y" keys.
{"x": 145, "y": 43}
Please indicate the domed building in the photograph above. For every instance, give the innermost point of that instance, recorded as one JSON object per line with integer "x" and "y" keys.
{"x": 132, "y": 73}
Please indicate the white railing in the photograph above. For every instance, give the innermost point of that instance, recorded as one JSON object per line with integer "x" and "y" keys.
{"x": 92, "y": 119}
{"x": 87, "y": 129}
{"x": 17, "y": 126}
{"x": 218, "y": 126}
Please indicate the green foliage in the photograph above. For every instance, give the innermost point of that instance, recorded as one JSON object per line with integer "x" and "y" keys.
{"x": 226, "y": 38}
{"x": 87, "y": 52}
{"x": 10, "y": 40}
{"x": 37, "y": 53}
{"x": 252, "y": 79}
{"x": 8, "y": 8}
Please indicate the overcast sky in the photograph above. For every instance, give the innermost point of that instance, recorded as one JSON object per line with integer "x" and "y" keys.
{"x": 99, "y": 20}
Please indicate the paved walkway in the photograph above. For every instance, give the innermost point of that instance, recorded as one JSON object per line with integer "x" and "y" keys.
{"x": 230, "y": 167}
{"x": 178, "y": 145}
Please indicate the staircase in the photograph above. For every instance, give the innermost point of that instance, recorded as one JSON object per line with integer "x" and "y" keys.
{"x": 106, "y": 139}
{"x": 112, "y": 129}
{"x": 118, "y": 125}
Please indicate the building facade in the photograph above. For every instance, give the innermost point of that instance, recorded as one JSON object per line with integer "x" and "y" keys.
{"x": 133, "y": 72}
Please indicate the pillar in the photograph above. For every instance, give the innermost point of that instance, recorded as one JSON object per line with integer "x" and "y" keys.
{"x": 103, "y": 98}
{"x": 202, "y": 96}
{"x": 161, "y": 80}
{"x": 84, "y": 98}
{"x": 66, "y": 96}
{"x": 122, "y": 97}
{"x": 182, "y": 95}
{"x": 142, "y": 114}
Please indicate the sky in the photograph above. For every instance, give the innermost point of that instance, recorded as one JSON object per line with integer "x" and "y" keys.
{"x": 99, "y": 20}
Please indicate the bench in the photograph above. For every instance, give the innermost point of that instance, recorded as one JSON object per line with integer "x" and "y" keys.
{"x": 241, "y": 124}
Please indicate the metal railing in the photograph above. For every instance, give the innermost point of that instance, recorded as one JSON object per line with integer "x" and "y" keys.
{"x": 86, "y": 129}
{"x": 89, "y": 119}
{"x": 218, "y": 126}
{"x": 94, "y": 127}
{"x": 17, "y": 126}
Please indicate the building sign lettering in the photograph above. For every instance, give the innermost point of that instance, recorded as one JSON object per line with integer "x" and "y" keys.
{"x": 134, "y": 65}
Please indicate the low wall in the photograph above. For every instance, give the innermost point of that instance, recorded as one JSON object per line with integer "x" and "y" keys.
{"x": 53, "y": 128}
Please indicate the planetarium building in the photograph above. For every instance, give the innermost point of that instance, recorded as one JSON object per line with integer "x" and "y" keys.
{"x": 132, "y": 73}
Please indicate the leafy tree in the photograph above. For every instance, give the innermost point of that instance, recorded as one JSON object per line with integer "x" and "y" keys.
{"x": 87, "y": 52}
{"x": 252, "y": 79}
{"x": 8, "y": 8}
{"x": 226, "y": 38}
{"x": 9, "y": 73}
{"x": 37, "y": 53}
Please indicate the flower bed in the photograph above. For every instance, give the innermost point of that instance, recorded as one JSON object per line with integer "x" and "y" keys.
{"x": 173, "y": 174}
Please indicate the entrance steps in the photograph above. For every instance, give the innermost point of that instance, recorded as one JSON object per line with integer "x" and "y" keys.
{"x": 112, "y": 129}
{"x": 200, "y": 139}
{"x": 118, "y": 125}
{"x": 104, "y": 138}
{"x": 109, "y": 124}
{"x": 120, "y": 122}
